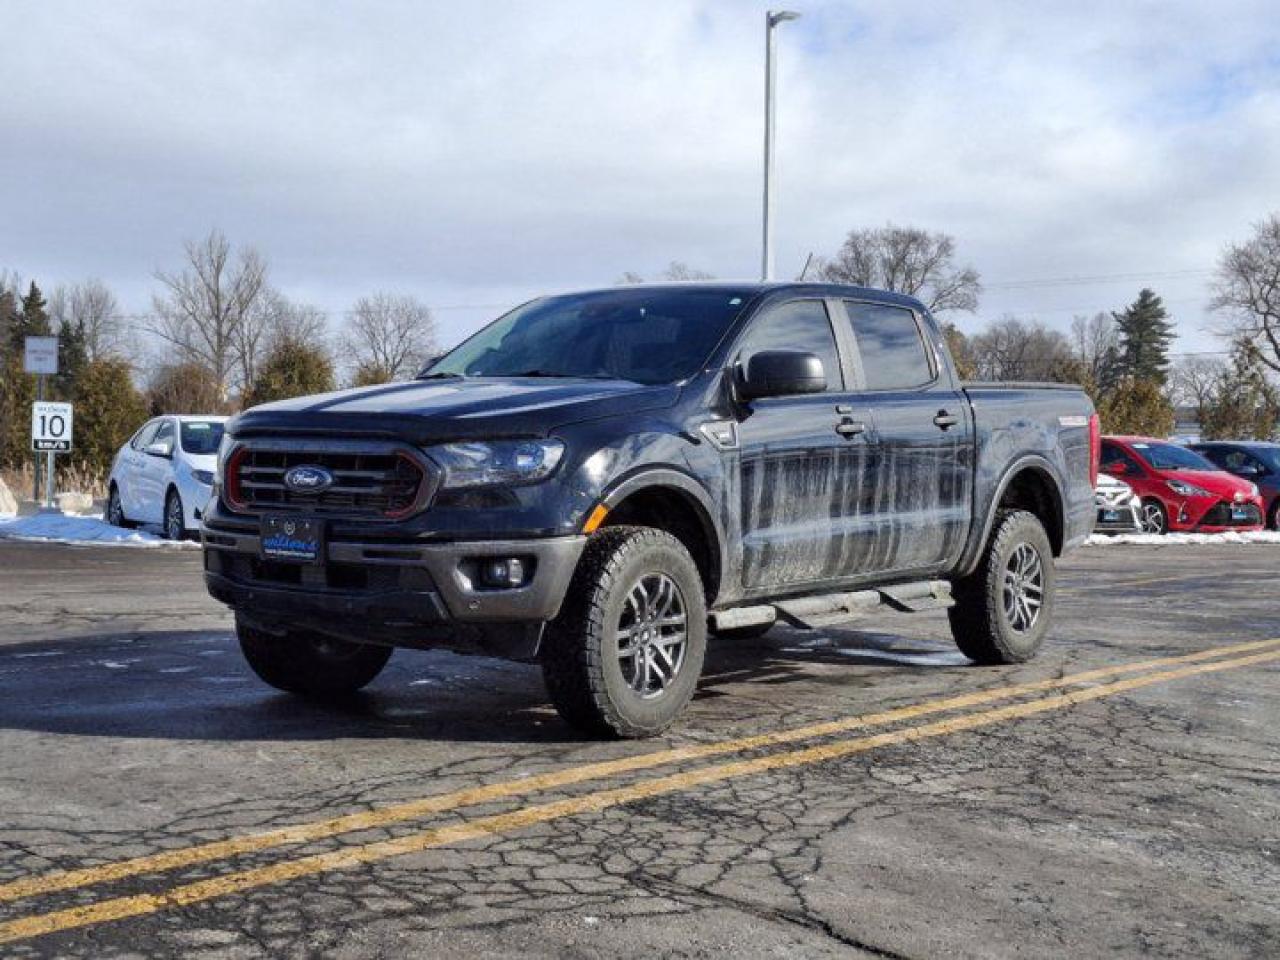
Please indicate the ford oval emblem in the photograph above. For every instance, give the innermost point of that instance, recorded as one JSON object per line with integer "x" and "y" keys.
{"x": 308, "y": 478}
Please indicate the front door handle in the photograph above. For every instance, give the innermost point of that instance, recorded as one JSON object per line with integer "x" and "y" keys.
{"x": 850, "y": 428}
{"x": 946, "y": 420}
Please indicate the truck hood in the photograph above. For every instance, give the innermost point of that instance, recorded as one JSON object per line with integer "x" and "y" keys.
{"x": 422, "y": 411}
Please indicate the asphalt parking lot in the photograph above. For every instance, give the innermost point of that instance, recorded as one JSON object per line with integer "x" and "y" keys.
{"x": 853, "y": 792}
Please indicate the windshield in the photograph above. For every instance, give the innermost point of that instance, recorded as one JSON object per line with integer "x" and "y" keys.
{"x": 201, "y": 437}
{"x": 645, "y": 334}
{"x": 1170, "y": 456}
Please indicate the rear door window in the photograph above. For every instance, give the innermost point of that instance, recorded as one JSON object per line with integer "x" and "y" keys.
{"x": 894, "y": 356}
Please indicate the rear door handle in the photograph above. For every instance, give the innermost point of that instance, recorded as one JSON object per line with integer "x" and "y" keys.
{"x": 946, "y": 420}
{"x": 850, "y": 428}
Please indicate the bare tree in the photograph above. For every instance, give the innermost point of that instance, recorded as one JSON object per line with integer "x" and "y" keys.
{"x": 389, "y": 337}
{"x": 91, "y": 303}
{"x": 210, "y": 311}
{"x": 1014, "y": 349}
{"x": 1247, "y": 291}
{"x": 905, "y": 260}
{"x": 1196, "y": 382}
{"x": 1096, "y": 342}
{"x": 286, "y": 321}
{"x": 676, "y": 270}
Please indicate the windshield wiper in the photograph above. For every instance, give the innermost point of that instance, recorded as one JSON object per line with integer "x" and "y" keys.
{"x": 440, "y": 376}
{"x": 563, "y": 376}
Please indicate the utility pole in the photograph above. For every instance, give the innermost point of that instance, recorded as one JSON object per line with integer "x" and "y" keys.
{"x": 771, "y": 20}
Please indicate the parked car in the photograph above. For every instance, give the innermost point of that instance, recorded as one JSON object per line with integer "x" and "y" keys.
{"x": 1119, "y": 508}
{"x": 164, "y": 474}
{"x": 596, "y": 480}
{"x": 1254, "y": 461}
{"x": 1180, "y": 489}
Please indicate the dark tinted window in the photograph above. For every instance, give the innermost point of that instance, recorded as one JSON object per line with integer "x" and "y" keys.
{"x": 798, "y": 325}
{"x": 645, "y": 334}
{"x": 1112, "y": 454}
{"x": 893, "y": 355}
{"x": 1170, "y": 456}
{"x": 200, "y": 436}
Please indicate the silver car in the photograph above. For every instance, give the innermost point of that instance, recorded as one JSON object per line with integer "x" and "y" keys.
{"x": 164, "y": 474}
{"x": 1119, "y": 508}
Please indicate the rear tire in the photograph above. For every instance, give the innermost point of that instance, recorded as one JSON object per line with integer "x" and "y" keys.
{"x": 1003, "y": 609}
{"x": 624, "y": 656}
{"x": 310, "y": 664}
{"x": 115, "y": 510}
{"x": 1273, "y": 517}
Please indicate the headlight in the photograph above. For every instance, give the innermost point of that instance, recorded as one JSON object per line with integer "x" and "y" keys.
{"x": 204, "y": 476}
{"x": 1187, "y": 489}
{"x": 507, "y": 462}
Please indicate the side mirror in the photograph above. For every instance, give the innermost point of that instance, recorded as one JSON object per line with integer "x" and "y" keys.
{"x": 1117, "y": 468}
{"x": 780, "y": 373}
{"x": 162, "y": 449}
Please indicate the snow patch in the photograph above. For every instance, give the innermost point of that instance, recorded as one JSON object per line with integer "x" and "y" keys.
{"x": 60, "y": 528}
{"x": 1185, "y": 539}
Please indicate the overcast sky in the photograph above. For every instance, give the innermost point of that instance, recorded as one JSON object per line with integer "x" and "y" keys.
{"x": 474, "y": 154}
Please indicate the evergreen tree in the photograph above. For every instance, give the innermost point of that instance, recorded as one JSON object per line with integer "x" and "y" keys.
{"x": 1136, "y": 407}
{"x": 33, "y": 318}
{"x": 1246, "y": 404}
{"x": 73, "y": 356}
{"x": 108, "y": 410}
{"x": 291, "y": 369}
{"x": 1145, "y": 334}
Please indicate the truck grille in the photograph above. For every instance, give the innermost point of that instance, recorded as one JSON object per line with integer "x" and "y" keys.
{"x": 385, "y": 482}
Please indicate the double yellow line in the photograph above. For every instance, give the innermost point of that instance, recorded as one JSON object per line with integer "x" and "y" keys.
{"x": 1087, "y": 686}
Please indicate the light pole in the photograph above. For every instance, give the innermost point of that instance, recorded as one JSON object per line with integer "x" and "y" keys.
{"x": 771, "y": 19}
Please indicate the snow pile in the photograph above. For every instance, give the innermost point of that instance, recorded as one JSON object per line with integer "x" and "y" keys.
{"x": 1185, "y": 539}
{"x": 60, "y": 528}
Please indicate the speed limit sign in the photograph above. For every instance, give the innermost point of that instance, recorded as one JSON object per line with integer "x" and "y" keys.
{"x": 51, "y": 427}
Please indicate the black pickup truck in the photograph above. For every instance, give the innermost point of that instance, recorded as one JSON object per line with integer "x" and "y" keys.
{"x": 597, "y": 480}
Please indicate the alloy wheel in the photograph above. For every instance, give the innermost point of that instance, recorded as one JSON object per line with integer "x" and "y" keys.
{"x": 652, "y": 635}
{"x": 1023, "y": 588}
{"x": 173, "y": 525}
{"x": 1152, "y": 518}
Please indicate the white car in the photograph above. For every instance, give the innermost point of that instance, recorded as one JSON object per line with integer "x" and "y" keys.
{"x": 164, "y": 474}
{"x": 1119, "y": 508}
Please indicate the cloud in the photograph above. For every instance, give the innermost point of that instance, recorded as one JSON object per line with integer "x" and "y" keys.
{"x": 480, "y": 153}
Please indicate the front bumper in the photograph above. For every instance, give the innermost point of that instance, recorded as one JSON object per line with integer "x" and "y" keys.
{"x": 1204, "y": 515}
{"x": 399, "y": 593}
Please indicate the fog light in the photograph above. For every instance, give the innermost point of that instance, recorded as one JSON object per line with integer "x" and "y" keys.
{"x": 507, "y": 572}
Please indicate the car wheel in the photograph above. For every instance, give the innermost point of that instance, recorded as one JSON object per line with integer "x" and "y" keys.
{"x": 1155, "y": 519}
{"x": 1003, "y": 609}
{"x": 624, "y": 656}
{"x": 310, "y": 664}
{"x": 115, "y": 510}
{"x": 175, "y": 524}
{"x": 1273, "y": 516}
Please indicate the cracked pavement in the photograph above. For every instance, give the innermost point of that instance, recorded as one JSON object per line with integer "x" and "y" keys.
{"x": 1143, "y": 823}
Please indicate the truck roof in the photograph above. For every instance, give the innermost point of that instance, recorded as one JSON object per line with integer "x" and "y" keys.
{"x": 756, "y": 287}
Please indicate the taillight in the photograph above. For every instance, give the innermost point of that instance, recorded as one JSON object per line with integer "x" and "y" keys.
{"x": 231, "y": 480}
{"x": 1095, "y": 448}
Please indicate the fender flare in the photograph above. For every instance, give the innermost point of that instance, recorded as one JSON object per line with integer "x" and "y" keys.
{"x": 669, "y": 478}
{"x": 1033, "y": 461}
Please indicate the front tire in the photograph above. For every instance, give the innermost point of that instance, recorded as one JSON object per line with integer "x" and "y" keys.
{"x": 175, "y": 523}
{"x": 1273, "y": 517}
{"x": 624, "y": 656}
{"x": 115, "y": 510}
{"x": 1003, "y": 609}
{"x": 310, "y": 664}
{"x": 1155, "y": 518}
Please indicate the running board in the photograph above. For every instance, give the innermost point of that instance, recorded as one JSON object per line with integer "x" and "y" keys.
{"x": 810, "y": 613}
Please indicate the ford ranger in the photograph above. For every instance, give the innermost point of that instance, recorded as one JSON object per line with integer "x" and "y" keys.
{"x": 597, "y": 481}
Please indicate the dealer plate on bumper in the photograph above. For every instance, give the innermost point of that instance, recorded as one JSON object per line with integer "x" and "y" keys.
{"x": 299, "y": 539}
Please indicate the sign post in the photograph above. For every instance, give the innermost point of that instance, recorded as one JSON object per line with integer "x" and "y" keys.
{"x": 41, "y": 358}
{"x": 51, "y": 431}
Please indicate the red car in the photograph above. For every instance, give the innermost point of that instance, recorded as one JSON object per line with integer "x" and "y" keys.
{"x": 1181, "y": 490}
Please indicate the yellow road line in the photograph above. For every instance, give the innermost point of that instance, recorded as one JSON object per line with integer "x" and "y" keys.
{"x": 441, "y": 803}
{"x": 121, "y": 908}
